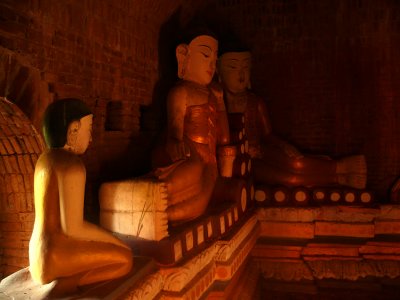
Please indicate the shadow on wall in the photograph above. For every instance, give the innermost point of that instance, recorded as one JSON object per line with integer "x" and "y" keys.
{"x": 22, "y": 84}
{"x": 154, "y": 117}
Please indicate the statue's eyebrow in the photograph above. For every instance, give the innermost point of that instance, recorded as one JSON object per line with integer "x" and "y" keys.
{"x": 205, "y": 46}
{"x": 205, "y": 49}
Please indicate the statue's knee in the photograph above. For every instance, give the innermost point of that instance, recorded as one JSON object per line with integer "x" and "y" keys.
{"x": 42, "y": 277}
{"x": 297, "y": 164}
{"x": 128, "y": 263}
{"x": 129, "y": 260}
{"x": 293, "y": 180}
{"x": 200, "y": 208}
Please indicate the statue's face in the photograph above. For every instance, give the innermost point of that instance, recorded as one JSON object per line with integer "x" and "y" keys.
{"x": 83, "y": 135}
{"x": 234, "y": 71}
{"x": 201, "y": 59}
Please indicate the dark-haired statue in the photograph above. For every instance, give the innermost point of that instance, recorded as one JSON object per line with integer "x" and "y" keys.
{"x": 276, "y": 161}
{"x": 64, "y": 247}
{"x": 197, "y": 123}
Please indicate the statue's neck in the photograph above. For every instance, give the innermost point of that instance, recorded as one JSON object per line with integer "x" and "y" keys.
{"x": 194, "y": 84}
{"x": 235, "y": 95}
{"x": 236, "y": 102}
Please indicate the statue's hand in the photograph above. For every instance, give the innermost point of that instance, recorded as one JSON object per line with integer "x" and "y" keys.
{"x": 217, "y": 90}
{"x": 395, "y": 192}
{"x": 177, "y": 150}
{"x": 287, "y": 148}
{"x": 291, "y": 151}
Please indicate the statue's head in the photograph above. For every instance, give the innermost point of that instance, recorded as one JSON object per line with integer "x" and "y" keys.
{"x": 197, "y": 57}
{"x": 67, "y": 123}
{"x": 234, "y": 64}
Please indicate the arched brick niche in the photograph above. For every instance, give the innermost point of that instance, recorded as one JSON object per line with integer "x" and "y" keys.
{"x": 23, "y": 98}
{"x": 20, "y": 147}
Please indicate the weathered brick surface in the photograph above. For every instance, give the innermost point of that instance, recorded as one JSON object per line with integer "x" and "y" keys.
{"x": 16, "y": 186}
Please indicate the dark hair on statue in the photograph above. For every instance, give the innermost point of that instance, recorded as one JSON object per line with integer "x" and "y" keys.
{"x": 194, "y": 30}
{"x": 57, "y": 118}
{"x": 230, "y": 42}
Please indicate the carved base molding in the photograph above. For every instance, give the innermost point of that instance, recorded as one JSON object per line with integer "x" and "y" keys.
{"x": 280, "y": 244}
{"x": 329, "y": 268}
{"x": 218, "y": 262}
{"x": 191, "y": 238}
{"x": 329, "y": 242}
{"x": 329, "y": 221}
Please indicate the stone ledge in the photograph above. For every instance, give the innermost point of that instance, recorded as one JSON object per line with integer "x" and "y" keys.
{"x": 365, "y": 230}
{"x": 338, "y": 213}
{"x": 20, "y": 284}
{"x": 344, "y": 221}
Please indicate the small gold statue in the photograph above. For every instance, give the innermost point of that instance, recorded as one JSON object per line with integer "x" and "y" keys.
{"x": 64, "y": 247}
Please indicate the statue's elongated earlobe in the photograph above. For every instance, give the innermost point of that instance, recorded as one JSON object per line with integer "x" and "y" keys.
{"x": 72, "y": 134}
{"x": 181, "y": 56}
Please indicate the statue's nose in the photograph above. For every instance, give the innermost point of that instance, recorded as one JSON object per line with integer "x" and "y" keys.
{"x": 241, "y": 76}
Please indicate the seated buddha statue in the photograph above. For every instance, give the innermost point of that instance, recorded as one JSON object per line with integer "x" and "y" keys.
{"x": 197, "y": 123}
{"x": 64, "y": 247}
{"x": 275, "y": 161}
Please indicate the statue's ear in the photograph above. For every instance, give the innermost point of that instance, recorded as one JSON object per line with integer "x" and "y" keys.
{"x": 72, "y": 132}
{"x": 181, "y": 52}
{"x": 217, "y": 70}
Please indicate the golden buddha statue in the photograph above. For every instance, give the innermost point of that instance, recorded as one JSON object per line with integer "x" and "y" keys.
{"x": 64, "y": 247}
{"x": 197, "y": 123}
{"x": 274, "y": 160}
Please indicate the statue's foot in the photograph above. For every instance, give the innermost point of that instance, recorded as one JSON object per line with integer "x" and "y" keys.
{"x": 358, "y": 181}
{"x": 352, "y": 164}
{"x": 65, "y": 286}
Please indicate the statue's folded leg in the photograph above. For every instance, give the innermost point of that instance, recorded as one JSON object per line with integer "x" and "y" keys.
{"x": 194, "y": 206}
{"x": 70, "y": 284}
{"x": 271, "y": 174}
{"x": 190, "y": 209}
{"x": 185, "y": 181}
{"x": 88, "y": 261}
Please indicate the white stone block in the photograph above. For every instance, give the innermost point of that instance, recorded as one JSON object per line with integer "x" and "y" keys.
{"x": 135, "y": 207}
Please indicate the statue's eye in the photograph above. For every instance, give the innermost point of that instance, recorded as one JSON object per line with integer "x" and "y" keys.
{"x": 205, "y": 55}
{"x": 232, "y": 67}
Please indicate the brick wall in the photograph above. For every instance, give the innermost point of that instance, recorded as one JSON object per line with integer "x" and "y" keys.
{"x": 20, "y": 147}
{"x": 329, "y": 72}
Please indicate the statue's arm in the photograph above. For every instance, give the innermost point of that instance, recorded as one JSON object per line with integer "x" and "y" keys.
{"x": 263, "y": 120}
{"x": 72, "y": 193}
{"x": 266, "y": 132}
{"x": 223, "y": 137}
{"x": 176, "y": 110}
